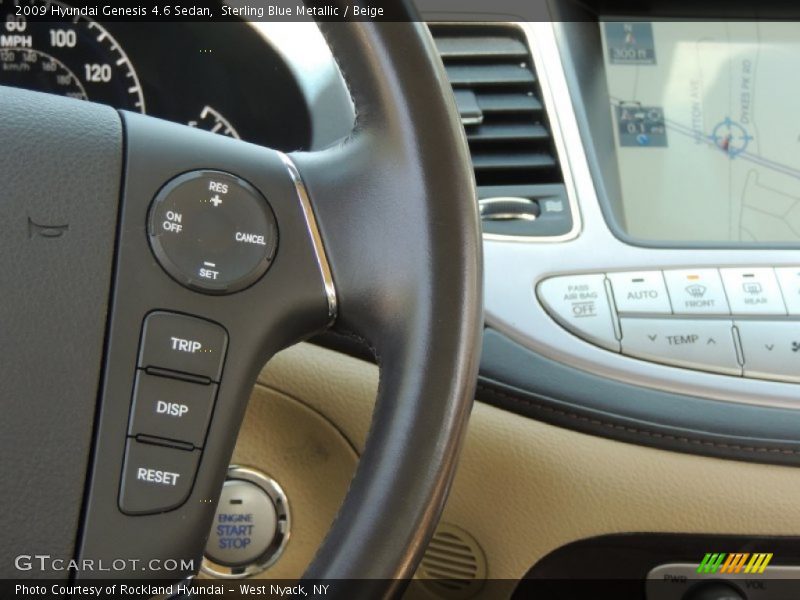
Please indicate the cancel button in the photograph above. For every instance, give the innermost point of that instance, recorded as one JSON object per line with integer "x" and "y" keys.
{"x": 156, "y": 478}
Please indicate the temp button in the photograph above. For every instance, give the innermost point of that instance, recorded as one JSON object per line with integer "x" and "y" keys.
{"x": 706, "y": 345}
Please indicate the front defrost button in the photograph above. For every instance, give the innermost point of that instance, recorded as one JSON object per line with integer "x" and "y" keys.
{"x": 580, "y": 304}
{"x": 696, "y": 291}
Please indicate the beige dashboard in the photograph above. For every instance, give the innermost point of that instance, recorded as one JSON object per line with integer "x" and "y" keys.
{"x": 523, "y": 488}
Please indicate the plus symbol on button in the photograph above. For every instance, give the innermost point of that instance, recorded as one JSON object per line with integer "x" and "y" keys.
{"x": 216, "y": 200}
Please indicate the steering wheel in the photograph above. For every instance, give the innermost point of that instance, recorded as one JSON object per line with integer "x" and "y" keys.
{"x": 137, "y": 252}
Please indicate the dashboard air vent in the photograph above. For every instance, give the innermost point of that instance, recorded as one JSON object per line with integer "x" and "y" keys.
{"x": 500, "y": 102}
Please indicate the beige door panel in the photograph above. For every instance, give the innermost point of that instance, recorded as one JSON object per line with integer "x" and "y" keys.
{"x": 523, "y": 488}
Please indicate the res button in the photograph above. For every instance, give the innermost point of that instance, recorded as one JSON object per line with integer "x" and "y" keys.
{"x": 183, "y": 343}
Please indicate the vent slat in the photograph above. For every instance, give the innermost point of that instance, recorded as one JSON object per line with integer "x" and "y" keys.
{"x": 490, "y": 74}
{"x": 480, "y": 46}
{"x": 511, "y": 102}
{"x": 500, "y": 103}
{"x": 504, "y": 132}
{"x": 517, "y": 160}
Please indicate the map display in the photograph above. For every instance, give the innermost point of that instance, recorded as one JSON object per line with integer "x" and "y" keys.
{"x": 707, "y": 128}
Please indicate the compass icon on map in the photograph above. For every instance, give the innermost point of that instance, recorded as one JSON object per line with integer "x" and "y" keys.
{"x": 730, "y": 137}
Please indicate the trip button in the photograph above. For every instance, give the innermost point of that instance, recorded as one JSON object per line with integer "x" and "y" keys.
{"x": 182, "y": 343}
{"x": 580, "y": 304}
{"x": 753, "y": 291}
{"x": 171, "y": 409}
{"x": 771, "y": 349}
{"x": 640, "y": 292}
{"x": 156, "y": 478}
{"x": 696, "y": 291}
{"x": 694, "y": 344}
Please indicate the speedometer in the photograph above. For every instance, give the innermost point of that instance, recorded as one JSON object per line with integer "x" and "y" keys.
{"x": 73, "y": 56}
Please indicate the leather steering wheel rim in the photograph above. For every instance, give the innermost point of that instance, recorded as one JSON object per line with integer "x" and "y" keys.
{"x": 421, "y": 308}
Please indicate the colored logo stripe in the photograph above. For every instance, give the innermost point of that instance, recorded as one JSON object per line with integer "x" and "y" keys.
{"x": 710, "y": 563}
{"x": 734, "y": 563}
{"x": 758, "y": 563}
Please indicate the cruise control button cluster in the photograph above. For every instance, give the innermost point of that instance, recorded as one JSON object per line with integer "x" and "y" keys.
{"x": 734, "y": 321}
{"x": 180, "y": 365}
{"x": 212, "y": 231}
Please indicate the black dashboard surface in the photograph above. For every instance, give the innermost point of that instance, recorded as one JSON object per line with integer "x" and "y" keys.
{"x": 185, "y": 67}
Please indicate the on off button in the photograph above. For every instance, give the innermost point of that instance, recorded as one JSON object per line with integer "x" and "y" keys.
{"x": 212, "y": 231}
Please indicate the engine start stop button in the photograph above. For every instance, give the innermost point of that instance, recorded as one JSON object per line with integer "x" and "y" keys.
{"x": 212, "y": 231}
{"x": 245, "y": 525}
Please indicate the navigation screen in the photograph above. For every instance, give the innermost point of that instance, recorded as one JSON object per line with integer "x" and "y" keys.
{"x": 707, "y": 129}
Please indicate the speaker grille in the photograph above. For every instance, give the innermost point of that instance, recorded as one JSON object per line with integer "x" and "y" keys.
{"x": 454, "y": 566}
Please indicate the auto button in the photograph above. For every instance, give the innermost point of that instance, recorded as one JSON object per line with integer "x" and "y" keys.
{"x": 706, "y": 345}
{"x": 640, "y": 292}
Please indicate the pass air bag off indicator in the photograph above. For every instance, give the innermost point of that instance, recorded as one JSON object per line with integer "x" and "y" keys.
{"x": 212, "y": 232}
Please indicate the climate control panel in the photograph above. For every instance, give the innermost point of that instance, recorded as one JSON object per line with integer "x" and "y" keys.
{"x": 733, "y": 321}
